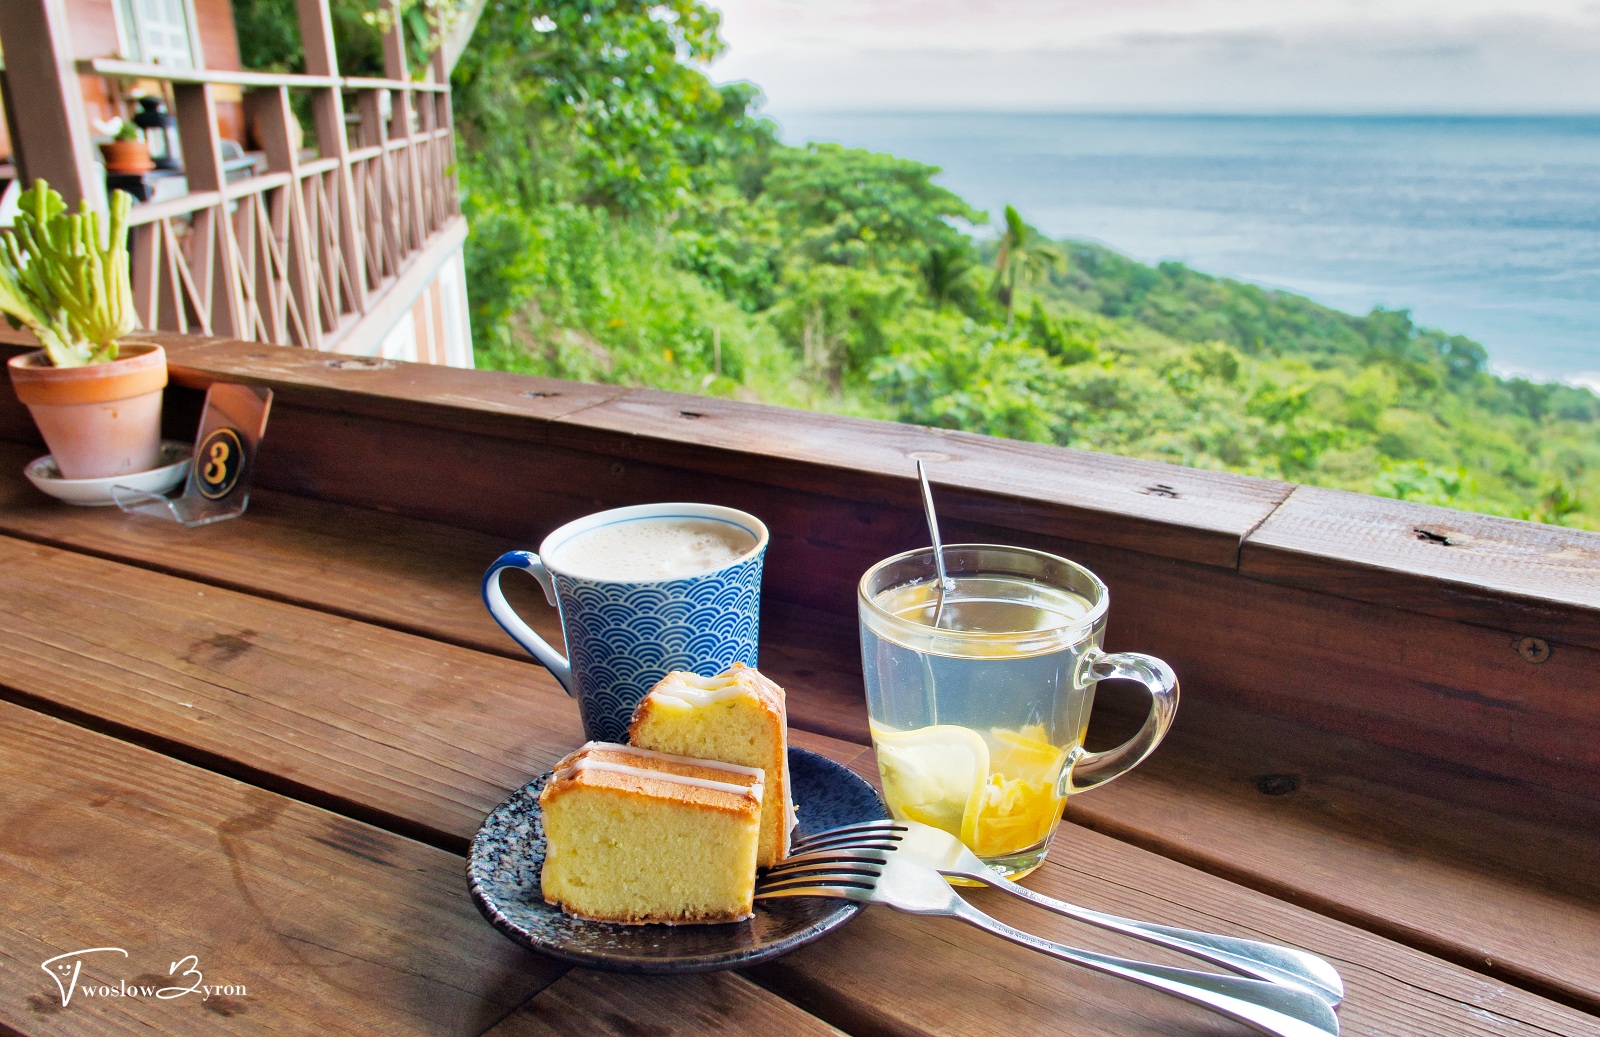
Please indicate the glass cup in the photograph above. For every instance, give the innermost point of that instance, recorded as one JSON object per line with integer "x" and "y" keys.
{"x": 979, "y": 722}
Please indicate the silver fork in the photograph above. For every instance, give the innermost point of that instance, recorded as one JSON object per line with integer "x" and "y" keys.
{"x": 1272, "y": 1008}
{"x": 938, "y": 849}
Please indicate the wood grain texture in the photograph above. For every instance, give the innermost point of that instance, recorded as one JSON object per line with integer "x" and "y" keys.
{"x": 413, "y": 576}
{"x": 425, "y": 737}
{"x": 1453, "y": 691}
{"x": 493, "y": 402}
{"x": 608, "y": 1005}
{"x": 404, "y": 731}
{"x": 965, "y": 982}
{"x": 1102, "y": 500}
{"x": 1415, "y": 682}
{"x": 330, "y": 926}
{"x": 1541, "y": 579}
{"x": 417, "y": 735}
{"x": 1487, "y": 873}
{"x": 1164, "y": 509}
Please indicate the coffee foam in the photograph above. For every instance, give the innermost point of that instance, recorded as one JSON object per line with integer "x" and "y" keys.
{"x": 665, "y": 548}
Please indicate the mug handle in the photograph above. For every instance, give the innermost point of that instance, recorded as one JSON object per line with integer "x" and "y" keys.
{"x": 1086, "y": 770}
{"x": 513, "y": 624}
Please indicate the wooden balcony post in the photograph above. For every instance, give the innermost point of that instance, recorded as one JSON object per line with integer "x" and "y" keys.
{"x": 215, "y": 257}
{"x": 400, "y": 128}
{"x": 449, "y": 188}
{"x": 275, "y": 125}
{"x": 316, "y": 34}
{"x": 50, "y": 130}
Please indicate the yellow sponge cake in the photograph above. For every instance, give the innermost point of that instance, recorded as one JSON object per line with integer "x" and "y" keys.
{"x": 736, "y": 717}
{"x": 640, "y": 836}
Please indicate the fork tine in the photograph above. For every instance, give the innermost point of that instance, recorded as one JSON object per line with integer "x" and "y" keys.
{"x": 878, "y": 840}
{"x": 851, "y": 854}
{"x": 883, "y": 825}
{"x": 870, "y": 868}
{"x": 837, "y": 880}
{"x": 835, "y": 892}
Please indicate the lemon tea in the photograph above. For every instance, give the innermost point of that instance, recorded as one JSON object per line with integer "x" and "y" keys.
{"x": 979, "y": 698}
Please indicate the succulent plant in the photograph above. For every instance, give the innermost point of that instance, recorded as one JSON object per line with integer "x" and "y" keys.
{"x": 64, "y": 276}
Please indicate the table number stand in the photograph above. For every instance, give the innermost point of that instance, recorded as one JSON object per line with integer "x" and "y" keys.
{"x": 231, "y": 425}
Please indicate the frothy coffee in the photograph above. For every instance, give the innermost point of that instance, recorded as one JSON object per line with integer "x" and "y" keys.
{"x": 665, "y": 548}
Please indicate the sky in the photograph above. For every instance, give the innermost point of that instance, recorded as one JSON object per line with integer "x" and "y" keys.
{"x": 1167, "y": 55}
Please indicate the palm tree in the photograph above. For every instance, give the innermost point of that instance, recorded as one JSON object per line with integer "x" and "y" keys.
{"x": 1024, "y": 253}
{"x": 946, "y": 270}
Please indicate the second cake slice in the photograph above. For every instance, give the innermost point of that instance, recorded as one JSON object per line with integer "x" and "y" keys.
{"x": 736, "y": 717}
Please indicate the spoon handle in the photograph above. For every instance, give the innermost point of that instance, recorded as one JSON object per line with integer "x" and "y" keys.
{"x": 938, "y": 547}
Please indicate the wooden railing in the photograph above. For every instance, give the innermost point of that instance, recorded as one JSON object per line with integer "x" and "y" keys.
{"x": 297, "y": 255}
{"x": 1392, "y": 730}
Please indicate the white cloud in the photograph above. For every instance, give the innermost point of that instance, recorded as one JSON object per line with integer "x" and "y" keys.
{"x": 1172, "y": 55}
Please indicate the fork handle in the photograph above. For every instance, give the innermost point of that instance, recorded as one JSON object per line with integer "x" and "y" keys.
{"x": 1264, "y": 1006}
{"x": 1267, "y": 961}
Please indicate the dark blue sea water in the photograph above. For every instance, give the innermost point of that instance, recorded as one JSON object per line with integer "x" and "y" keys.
{"x": 1488, "y": 227}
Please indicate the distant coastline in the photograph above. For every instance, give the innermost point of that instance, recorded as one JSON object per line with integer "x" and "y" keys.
{"x": 1482, "y": 225}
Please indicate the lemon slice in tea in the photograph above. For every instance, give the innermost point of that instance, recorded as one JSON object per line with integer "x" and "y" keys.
{"x": 934, "y": 775}
{"x": 1019, "y": 805}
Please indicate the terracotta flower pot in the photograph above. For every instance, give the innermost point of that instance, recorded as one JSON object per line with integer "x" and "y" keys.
{"x": 99, "y": 419}
{"x": 127, "y": 156}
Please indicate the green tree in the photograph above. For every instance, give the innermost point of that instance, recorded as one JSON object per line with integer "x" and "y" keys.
{"x": 947, "y": 270}
{"x": 1023, "y": 254}
{"x": 860, "y": 208}
{"x": 595, "y": 101}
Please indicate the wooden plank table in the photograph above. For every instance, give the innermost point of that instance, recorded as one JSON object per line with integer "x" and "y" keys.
{"x": 266, "y": 743}
{"x": 287, "y": 757}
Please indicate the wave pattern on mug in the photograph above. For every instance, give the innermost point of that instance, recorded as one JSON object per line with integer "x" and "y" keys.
{"x": 623, "y": 638}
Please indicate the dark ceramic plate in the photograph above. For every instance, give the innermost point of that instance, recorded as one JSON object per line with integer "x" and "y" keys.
{"x": 508, "y": 853}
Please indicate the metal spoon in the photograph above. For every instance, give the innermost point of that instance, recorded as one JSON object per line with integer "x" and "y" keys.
{"x": 946, "y": 584}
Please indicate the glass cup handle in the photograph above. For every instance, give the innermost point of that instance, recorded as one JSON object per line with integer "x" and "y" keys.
{"x": 1086, "y": 770}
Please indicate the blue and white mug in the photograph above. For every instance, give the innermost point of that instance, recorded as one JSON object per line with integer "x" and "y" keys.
{"x": 624, "y": 635}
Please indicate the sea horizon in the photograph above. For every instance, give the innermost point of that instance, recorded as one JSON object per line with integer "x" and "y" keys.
{"x": 1484, "y": 224}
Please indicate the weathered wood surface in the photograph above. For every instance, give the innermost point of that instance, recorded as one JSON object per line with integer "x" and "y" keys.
{"x": 1164, "y": 509}
{"x": 1456, "y": 692}
{"x": 404, "y": 731}
{"x": 416, "y": 734}
{"x": 604, "y": 1004}
{"x": 1523, "y": 576}
{"x": 422, "y": 578}
{"x": 413, "y": 576}
{"x": 964, "y": 982}
{"x": 1453, "y": 690}
{"x": 331, "y": 926}
{"x": 1102, "y": 498}
{"x": 1494, "y": 875}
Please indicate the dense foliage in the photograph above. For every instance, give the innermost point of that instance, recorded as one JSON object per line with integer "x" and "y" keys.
{"x": 633, "y": 222}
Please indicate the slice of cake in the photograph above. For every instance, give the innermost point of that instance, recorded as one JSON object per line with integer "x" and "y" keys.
{"x": 736, "y": 717}
{"x": 640, "y": 836}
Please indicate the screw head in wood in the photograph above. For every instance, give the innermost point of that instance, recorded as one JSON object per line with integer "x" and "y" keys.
{"x": 1533, "y": 650}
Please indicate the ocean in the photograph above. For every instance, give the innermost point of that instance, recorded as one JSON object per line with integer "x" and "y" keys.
{"x": 1483, "y": 226}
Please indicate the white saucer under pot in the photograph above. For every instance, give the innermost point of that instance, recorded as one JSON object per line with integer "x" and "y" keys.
{"x": 94, "y": 493}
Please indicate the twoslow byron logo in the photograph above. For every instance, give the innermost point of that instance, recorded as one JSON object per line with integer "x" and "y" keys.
{"x": 67, "y": 971}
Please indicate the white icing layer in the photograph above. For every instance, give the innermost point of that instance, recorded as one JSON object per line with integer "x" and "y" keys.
{"x": 694, "y": 690}
{"x": 753, "y": 790}
{"x": 692, "y": 761}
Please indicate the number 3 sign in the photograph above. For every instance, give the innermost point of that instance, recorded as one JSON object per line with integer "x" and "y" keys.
{"x": 220, "y": 460}
{"x": 233, "y": 422}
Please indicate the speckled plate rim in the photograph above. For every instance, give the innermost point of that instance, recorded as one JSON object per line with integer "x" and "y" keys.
{"x": 523, "y": 805}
